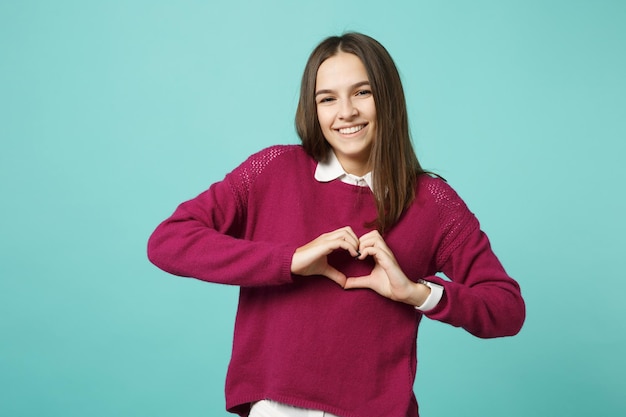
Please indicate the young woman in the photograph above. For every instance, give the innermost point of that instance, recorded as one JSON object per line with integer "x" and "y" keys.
{"x": 335, "y": 245}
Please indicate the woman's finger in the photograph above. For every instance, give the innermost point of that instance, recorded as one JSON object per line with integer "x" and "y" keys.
{"x": 373, "y": 238}
{"x": 335, "y": 275}
{"x": 346, "y": 234}
{"x": 377, "y": 249}
{"x": 360, "y": 282}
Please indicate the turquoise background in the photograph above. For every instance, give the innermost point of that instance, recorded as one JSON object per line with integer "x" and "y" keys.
{"x": 112, "y": 113}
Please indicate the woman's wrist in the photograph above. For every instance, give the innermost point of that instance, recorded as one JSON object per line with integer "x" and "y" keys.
{"x": 418, "y": 295}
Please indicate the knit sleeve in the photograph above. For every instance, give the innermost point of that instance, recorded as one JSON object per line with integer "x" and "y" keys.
{"x": 480, "y": 296}
{"x": 204, "y": 237}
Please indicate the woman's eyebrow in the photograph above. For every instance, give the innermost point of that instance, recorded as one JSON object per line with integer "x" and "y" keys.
{"x": 353, "y": 86}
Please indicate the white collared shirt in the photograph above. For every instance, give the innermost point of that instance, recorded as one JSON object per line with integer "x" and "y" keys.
{"x": 329, "y": 170}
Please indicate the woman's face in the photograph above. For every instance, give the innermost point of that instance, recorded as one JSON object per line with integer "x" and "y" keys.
{"x": 346, "y": 110}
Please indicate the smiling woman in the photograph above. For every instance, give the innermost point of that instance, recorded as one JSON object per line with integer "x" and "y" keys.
{"x": 350, "y": 262}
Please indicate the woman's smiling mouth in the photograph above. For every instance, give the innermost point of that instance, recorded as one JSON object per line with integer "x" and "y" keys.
{"x": 350, "y": 130}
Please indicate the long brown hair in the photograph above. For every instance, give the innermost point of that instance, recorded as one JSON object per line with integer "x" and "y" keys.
{"x": 395, "y": 165}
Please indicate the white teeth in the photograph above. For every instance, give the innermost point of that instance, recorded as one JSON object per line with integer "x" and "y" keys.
{"x": 349, "y": 130}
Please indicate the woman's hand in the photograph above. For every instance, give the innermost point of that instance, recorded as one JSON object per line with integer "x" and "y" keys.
{"x": 311, "y": 259}
{"x": 387, "y": 278}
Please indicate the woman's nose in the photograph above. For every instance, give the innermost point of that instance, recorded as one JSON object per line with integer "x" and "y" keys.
{"x": 347, "y": 109}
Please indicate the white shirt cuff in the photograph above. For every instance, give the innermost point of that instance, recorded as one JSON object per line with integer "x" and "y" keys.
{"x": 436, "y": 292}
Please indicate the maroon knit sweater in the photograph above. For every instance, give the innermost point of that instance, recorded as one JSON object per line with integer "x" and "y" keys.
{"x": 305, "y": 341}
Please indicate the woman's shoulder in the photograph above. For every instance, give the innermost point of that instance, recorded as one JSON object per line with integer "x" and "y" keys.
{"x": 276, "y": 154}
{"x": 433, "y": 186}
{"x": 276, "y": 159}
{"x": 269, "y": 166}
{"x": 274, "y": 151}
{"x": 455, "y": 220}
{"x": 436, "y": 190}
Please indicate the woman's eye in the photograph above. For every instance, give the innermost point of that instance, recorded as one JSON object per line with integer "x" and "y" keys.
{"x": 326, "y": 100}
{"x": 363, "y": 92}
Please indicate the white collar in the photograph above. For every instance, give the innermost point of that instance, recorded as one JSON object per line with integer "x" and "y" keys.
{"x": 330, "y": 169}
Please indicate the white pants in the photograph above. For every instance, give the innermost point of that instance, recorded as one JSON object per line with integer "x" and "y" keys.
{"x": 269, "y": 408}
